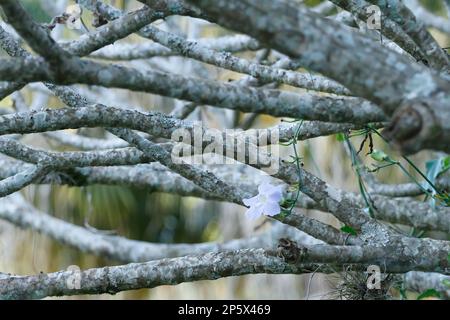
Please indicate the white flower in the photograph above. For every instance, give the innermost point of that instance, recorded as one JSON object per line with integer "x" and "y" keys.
{"x": 73, "y": 13}
{"x": 267, "y": 202}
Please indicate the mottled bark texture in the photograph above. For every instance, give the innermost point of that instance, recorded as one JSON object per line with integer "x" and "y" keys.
{"x": 414, "y": 93}
{"x": 402, "y": 87}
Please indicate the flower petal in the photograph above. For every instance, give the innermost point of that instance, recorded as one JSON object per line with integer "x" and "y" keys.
{"x": 275, "y": 192}
{"x": 74, "y": 10}
{"x": 275, "y": 197}
{"x": 254, "y": 212}
{"x": 250, "y": 202}
{"x": 265, "y": 187}
{"x": 271, "y": 208}
{"x": 74, "y": 24}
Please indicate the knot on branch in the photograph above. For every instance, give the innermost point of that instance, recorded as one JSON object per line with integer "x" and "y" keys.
{"x": 411, "y": 126}
{"x": 289, "y": 251}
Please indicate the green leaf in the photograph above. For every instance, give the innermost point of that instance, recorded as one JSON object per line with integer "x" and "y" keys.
{"x": 446, "y": 282}
{"x": 340, "y": 137}
{"x": 446, "y": 163}
{"x": 403, "y": 293}
{"x": 349, "y": 230}
{"x": 436, "y": 167}
{"x": 429, "y": 293}
{"x": 284, "y": 213}
{"x": 379, "y": 156}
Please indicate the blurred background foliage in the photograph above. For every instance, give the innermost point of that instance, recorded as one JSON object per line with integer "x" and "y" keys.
{"x": 144, "y": 215}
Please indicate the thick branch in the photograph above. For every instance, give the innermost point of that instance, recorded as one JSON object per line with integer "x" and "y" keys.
{"x": 279, "y": 103}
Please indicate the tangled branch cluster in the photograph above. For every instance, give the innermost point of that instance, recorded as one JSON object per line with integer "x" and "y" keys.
{"x": 353, "y": 82}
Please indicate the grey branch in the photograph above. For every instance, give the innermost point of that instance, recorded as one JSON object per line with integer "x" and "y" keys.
{"x": 149, "y": 50}
{"x": 360, "y": 82}
{"x": 394, "y": 86}
{"x": 293, "y": 259}
{"x": 423, "y": 281}
{"x": 279, "y": 103}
